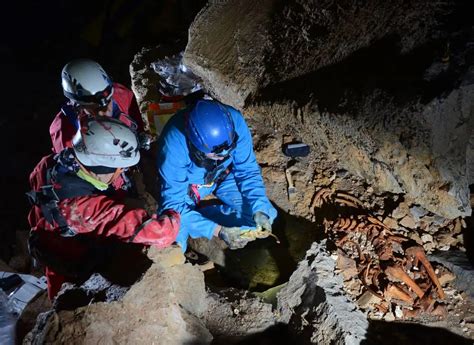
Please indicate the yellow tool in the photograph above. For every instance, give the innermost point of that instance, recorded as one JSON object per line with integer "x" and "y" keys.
{"x": 255, "y": 234}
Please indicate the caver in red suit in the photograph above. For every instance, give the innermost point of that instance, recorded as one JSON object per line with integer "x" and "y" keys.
{"x": 66, "y": 122}
{"x": 74, "y": 211}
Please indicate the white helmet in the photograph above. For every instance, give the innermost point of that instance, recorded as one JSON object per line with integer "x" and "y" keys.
{"x": 106, "y": 142}
{"x": 86, "y": 83}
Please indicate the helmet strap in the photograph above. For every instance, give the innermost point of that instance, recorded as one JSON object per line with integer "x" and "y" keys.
{"x": 92, "y": 180}
{"x": 91, "y": 177}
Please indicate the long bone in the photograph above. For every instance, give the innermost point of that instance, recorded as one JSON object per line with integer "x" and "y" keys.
{"x": 418, "y": 254}
{"x": 397, "y": 273}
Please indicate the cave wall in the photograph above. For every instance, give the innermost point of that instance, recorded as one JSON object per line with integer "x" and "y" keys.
{"x": 239, "y": 46}
{"x": 373, "y": 111}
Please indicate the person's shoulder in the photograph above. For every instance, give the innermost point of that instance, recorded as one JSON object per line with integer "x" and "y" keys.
{"x": 46, "y": 162}
{"x": 38, "y": 174}
{"x": 238, "y": 118}
{"x": 121, "y": 88}
{"x": 122, "y": 94}
{"x": 175, "y": 124}
{"x": 235, "y": 114}
{"x": 56, "y": 123}
{"x": 173, "y": 137}
{"x": 232, "y": 110}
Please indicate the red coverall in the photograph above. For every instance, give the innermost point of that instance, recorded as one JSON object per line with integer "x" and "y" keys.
{"x": 96, "y": 216}
{"x": 62, "y": 130}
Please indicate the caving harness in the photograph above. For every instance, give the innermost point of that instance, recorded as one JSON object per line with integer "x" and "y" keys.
{"x": 209, "y": 180}
{"x": 62, "y": 183}
{"x": 49, "y": 196}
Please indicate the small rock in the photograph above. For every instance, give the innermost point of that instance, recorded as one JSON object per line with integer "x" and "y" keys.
{"x": 426, "y": 238}
{"x": 438, "y": 220}
{"x": 398, "y": 312}
{"x": 408, "y": 222}
{"x": 446, "y": 277}
{"x": 418, "y": 212}
{"x": 440, "y": 310}
{"x": 413, "y": 235}
{"x": 347, "y": 265}
{"x": 450, "y": 292}
{"x": 457, "y": 226}
{"x": 429, "y": 247}
{"x": 389, "y": 317}
{"x": 167, "y": 257}
{"x": 391, "y": 223}
{"x": 401, "y": 211}
{"x": 368, "y": 299}
{"x": 447, "y": 240}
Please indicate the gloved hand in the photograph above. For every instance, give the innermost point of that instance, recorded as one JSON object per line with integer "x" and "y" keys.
{"x": 262, "y": 221}
{"x": 231, "y": 236}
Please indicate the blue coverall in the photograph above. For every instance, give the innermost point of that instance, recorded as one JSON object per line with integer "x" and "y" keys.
{"x": 242, "y": 191}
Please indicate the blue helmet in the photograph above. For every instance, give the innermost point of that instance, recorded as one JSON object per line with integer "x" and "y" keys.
{"x": 210, "y": 129}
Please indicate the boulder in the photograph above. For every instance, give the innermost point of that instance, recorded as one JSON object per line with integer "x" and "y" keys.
{"x": 163, "y": 308}
{"x": 315, "y": 306}
{"x": 240, "y": 46}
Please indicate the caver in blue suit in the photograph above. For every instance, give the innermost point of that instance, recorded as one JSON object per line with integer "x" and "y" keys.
{"x": 185, "y": 180}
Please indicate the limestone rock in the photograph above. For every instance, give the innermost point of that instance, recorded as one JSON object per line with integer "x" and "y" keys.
{"x": 377, "y": 151}
{"x": 167, "y": 257}
{"x": 418, "y": 212}
{"x": 446, "y": 277}
{"x": 239, "y": 46}
{"x": 401, "y": 211}
{"x": 315, "y": 306}
{"x": 163, "y": 308}
{"x": 426, "y": 238}
{"x": 226, "y": 47}
{"x": 346, "y": 265}
{"x": 391, "y": 223}
{"x": 458, "y": 263}
{"x": 242, "y": 315}
{"x": 368, "y": 299}
{"x": 145, "y": 80}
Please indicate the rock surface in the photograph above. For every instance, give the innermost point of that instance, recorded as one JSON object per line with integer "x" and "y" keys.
{"x": 169, "y": 305}
{"x": 239, "y": 46}
{"x": 458, "y": 263}
{"x": 414, "y": 150}
{"x": 315, "y": 306}
{"x": 238, "y": 315}
{"x": 163, "y": 308}
{"x": 367, "y": 99}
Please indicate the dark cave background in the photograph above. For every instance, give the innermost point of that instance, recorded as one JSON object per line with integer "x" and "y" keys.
{"x": 38, "y": 39}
